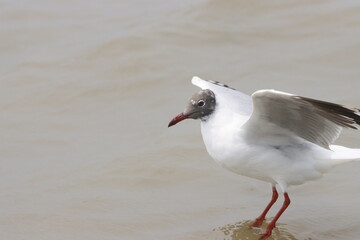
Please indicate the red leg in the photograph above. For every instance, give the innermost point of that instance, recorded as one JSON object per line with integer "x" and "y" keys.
{"x": 273, "y": 222}
{"x": 258, "y": 222}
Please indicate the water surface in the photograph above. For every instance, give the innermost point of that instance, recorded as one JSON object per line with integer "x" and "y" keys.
{"x": 87, "y": 90}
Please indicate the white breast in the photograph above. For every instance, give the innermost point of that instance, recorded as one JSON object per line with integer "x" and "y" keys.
{"x": 226, "y": 144}
{"x": 222, "y": 134}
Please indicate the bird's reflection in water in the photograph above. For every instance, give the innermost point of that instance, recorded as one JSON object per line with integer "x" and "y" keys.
{"x": 242, "y": 231}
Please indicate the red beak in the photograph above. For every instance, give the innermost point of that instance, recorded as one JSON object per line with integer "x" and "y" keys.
{"x": 178, "y": 118}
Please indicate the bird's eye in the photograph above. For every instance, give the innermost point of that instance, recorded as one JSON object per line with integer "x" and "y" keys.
{"x": 201, "y": 103}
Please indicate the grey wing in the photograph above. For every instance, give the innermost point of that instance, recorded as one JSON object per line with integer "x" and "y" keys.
{"x": 319, "y": 122}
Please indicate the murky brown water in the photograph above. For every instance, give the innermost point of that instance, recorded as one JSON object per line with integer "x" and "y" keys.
{"x": 87, "y": 90}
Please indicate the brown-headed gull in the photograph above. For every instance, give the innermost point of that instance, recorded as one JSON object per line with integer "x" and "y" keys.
{"x": 276, "y": 137}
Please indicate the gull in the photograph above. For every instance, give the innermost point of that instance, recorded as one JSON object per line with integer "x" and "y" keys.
{"x": 276, "y": 137}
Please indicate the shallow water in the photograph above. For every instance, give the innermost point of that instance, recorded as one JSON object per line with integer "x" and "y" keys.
{"x": 87, "y": 90}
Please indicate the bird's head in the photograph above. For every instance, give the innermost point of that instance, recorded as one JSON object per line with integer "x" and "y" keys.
{"x": 199, "y": 106}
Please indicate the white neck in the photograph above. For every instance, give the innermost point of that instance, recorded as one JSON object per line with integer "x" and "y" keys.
{"x": 221, "y": 131}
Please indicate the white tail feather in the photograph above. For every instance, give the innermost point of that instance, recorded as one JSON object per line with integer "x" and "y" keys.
{"x": 343, "y": 154}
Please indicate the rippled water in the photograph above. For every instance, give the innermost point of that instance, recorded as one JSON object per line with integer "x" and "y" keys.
{"x": 87, "y": 90}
